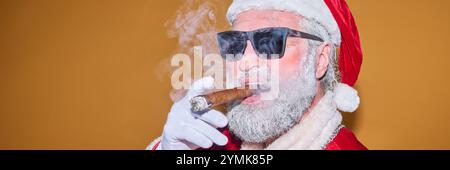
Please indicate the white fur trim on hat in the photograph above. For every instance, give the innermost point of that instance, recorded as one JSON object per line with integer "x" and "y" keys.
{"x": 311, "y": 9}
{"x": 346, "y": 98}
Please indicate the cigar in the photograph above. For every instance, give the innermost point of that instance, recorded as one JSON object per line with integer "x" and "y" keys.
{"x": 204, "y": 103}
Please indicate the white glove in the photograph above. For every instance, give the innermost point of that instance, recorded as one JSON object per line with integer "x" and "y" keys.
{"x": 185, "y": 130}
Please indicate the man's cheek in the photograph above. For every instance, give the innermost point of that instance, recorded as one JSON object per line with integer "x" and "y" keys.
{"x": 288, "y": 70}
{"x": 290, "y": 63}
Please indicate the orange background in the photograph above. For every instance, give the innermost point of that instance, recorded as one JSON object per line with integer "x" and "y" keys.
{"x": 85, "y": 74}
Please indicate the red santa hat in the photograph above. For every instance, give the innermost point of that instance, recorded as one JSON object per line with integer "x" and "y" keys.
{"x": 338, "y": 20}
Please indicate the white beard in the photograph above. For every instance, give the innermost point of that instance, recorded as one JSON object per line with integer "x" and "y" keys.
{"x": 269, "y": 119}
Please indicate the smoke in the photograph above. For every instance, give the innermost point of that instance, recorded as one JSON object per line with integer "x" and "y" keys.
{"x": 195, "y": 23}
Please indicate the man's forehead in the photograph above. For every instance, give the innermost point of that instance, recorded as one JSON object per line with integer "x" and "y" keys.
{"x": 255, "y": 19}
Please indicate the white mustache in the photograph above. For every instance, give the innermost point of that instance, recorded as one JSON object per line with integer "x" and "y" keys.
{"x": 262, "y": 75}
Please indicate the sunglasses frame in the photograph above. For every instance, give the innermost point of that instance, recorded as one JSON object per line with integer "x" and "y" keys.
{"x": 249, "y": 36}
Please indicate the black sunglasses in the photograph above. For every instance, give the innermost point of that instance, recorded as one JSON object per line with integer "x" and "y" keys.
{"x": 268, "y": 43}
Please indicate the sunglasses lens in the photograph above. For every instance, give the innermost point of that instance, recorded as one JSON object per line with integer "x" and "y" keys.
{"x": 270, "y": 43}
{"x": 232, "y": 45}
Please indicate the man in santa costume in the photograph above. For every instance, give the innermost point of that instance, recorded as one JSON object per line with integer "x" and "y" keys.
{"x": 316, "y": 81}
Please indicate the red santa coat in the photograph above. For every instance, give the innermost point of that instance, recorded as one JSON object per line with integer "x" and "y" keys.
{"x": 344, "y": 140}
{"x": 320, "y": 130}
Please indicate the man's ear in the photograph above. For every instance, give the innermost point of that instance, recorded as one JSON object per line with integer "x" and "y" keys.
{"x": 323, "y": 59}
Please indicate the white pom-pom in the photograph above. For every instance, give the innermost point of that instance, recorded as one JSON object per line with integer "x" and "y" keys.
{"x": 346, "y": 98}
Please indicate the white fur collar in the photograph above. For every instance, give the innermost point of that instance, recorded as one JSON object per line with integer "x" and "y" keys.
{"x": 312, "y": 133}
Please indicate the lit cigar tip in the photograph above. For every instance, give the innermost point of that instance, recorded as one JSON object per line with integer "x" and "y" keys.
{"x": 199, "y": 104}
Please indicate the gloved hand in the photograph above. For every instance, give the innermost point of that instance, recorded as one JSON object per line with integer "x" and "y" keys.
{"x": 185, "y": 130}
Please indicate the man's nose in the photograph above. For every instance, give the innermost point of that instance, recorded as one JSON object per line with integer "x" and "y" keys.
{"x": 250, "y": 58}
